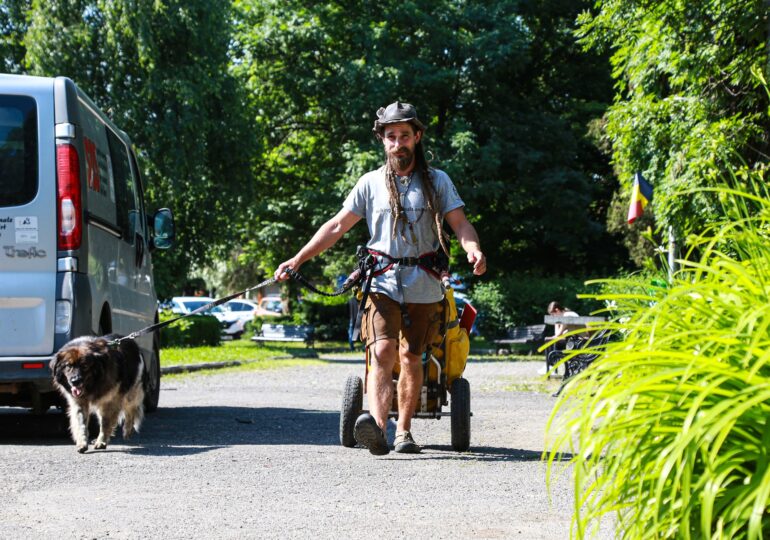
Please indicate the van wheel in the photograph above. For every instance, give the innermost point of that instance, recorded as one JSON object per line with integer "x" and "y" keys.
{"x": 152, "y": 378}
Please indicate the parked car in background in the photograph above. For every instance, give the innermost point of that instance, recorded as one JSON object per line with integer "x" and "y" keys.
{"x": 242, "y": 305}
{"x": 236, "y": 313}
{"x": 270, "y": 306}
{"x": 183, "y": 305}
{"x": 187, "y": 304}
{"x": 233, "y": 314}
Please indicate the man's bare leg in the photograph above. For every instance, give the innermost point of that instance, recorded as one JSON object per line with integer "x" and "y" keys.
{"x": 370, "y": 428}
{"x": 379, "y": 384}
{"x": 409, "y": 387}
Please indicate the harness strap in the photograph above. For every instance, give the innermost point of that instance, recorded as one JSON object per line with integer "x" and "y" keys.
{"x": 434, "y": 263}
{"x": 366, "y": 264}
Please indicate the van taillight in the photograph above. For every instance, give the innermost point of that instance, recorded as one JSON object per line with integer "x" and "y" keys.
{"x": 69, "y": 206}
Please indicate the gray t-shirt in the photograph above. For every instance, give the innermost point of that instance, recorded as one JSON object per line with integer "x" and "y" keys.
{"x": 370, "y": 200}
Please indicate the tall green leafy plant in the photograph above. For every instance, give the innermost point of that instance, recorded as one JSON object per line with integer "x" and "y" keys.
{"x": 669, "y": 430}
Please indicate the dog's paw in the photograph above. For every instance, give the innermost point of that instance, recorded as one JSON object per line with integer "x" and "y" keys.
{"x": 82, "y": 448}
{"x": 100, "y": 446}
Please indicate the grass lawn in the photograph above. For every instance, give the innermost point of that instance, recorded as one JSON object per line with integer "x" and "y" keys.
{"x": 255, "y": 356}
{"x": 259, "y": 355}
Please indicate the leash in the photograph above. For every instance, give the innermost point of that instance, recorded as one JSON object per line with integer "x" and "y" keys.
{"x": 367, "y": 261}
{"x": 351, "y": 282}
{"x": 355, "y": 277}
{"x": 217, "y": 302}
{"x": 363, "y": 274}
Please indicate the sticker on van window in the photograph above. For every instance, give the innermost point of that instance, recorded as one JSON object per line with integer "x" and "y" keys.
{"x": 26, "y": 230}
{"x": 92, "y": 165}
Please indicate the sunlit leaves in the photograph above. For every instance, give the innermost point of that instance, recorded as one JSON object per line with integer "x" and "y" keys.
{"x": 690, "y": 103}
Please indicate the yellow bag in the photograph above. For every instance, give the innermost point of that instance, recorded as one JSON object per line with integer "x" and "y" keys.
{"x": 454, "y": 344}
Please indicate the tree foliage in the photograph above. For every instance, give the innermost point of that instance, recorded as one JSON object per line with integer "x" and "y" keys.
{"x": 161, "y": 70}
{"x": 691, "y": 99}
{"x": 505, "y": 91}
{"x": 13, "y": 26}
{"x": 253, "y": 117}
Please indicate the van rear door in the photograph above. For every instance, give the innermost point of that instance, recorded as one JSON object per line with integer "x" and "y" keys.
{"x": 27, "y": 217}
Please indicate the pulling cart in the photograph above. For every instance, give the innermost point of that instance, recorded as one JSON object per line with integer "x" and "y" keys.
{"x": 443, "y": 367}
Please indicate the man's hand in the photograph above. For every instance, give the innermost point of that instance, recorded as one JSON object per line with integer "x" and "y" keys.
{"x": 479, "y": 262}
{"x": 280, "y": 273}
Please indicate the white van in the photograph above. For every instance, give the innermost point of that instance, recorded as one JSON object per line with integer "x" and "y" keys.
{"x": 74, "y": 239}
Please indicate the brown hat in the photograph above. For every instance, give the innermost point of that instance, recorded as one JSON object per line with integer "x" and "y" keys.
{"x": 395, "y": 113}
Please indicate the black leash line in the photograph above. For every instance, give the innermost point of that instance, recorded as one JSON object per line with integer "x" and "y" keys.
{"x": 365, "y": 272}
{"x": 217, "y": 302}
{"x": 354, "y": 279}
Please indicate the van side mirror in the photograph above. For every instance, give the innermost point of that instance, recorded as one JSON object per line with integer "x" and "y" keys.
{"x": 163, "y": 229}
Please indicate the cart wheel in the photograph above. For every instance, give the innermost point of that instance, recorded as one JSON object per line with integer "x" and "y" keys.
{"x": 352, "y": 403}
{"x": 461, "y": 414}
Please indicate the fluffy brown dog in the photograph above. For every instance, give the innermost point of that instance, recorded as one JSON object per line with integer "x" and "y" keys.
{"x": 105, "y": 380}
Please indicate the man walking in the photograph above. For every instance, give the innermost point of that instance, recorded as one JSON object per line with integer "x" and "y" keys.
{"x": 404, "y": 203}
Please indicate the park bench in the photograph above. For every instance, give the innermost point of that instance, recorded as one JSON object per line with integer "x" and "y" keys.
{"x": 580, "y": 353}
{"x": 531, "y": 336}
{"x": 287, "y": 333}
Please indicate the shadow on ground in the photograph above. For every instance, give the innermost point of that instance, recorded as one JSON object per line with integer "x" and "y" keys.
{"x": 20, "y": 427}
{"x": 486, "y": 453}
{"x": 181, "y": 431}
{"x": 185, "y": 430}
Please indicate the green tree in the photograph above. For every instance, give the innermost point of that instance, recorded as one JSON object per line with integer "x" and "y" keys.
{"x": 506, "y": 93}
{"x": 13, "y": 26}
{"x": 161, "y": 69}
{"x": 691, "y": 103}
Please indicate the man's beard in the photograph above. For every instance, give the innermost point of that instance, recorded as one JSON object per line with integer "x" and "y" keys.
{"x": 402, "y": 161}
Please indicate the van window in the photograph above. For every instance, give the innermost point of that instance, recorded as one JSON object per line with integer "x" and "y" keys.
{"x": 138, "y": 197}
{"x": 125, "y": 189}
{"x": 97, "y": 161}
{"x": 18, "y": 150}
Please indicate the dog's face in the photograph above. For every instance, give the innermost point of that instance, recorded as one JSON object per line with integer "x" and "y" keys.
{"x": 79, "y": 367}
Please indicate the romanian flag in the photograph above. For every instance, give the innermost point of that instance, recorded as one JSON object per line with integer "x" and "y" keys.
{"x": 641, "y": 195}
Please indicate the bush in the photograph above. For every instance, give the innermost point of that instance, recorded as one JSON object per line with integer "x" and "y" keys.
{"x": 195, "y": 331}
{"x": 519, "y": 299}
{"x": 669, "y": 430}
{"x": 328, "y": 314}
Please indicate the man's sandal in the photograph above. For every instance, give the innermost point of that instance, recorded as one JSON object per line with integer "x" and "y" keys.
{"x": 405, "y": 444}
{"x": 368, "y": 434}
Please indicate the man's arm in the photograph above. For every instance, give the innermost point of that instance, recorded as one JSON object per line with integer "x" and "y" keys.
{"x": 324, "y": 238}
{"x": 468, "y": 238}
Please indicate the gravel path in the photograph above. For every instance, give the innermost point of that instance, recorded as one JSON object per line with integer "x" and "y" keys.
{"x": 256, "y": 455}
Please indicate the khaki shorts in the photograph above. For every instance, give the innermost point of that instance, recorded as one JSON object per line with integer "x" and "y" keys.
{"x": 382, "y": 320}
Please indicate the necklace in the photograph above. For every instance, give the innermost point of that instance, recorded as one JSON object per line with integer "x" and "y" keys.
{"x": 405, "y": 180}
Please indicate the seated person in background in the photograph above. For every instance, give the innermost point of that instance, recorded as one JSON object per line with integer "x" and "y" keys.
{"x": 558, "y": 343}
{"x": 557, "y": 310}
